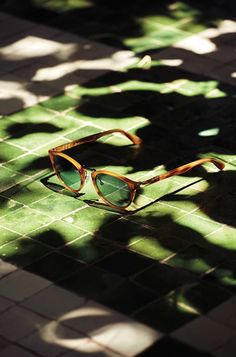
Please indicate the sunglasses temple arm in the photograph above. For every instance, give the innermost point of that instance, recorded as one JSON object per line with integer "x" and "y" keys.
{"x": 133, "y": 138}
{"x": 182, "y": 169}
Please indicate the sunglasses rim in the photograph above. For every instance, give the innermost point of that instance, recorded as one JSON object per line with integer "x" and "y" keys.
{"x": 132, "y": 185}
{"x": 82, "y": 172}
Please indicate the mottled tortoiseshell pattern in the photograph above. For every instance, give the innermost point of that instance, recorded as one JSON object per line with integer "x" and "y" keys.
{"x": 133, "y": 185}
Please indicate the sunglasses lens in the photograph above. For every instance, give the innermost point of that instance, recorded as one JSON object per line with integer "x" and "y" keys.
{"x": 114, "y": 190}
{"x": 68, "y": 173}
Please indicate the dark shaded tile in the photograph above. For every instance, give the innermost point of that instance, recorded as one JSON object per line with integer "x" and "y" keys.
{"x": 157, "y": 247}
{"x": 195, "y": 259}
{"x": 200, "y": 297}
{"x": 127, "y": 297}
{"x": 123, "y": 232}
{"x": 88, "y": 249}
{"x": 162, "y": 279}
{"x": 92, "y": 282}
{"x": 224, "y": 275}
{"x": 170, "y": 347}
{"x": 125, "y": 263}
{"x": 54, "y": 266}
{"x": 165, "y": 315}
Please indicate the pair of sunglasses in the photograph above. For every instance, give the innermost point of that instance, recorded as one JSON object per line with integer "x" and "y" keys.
{"x": 115, "y": 190}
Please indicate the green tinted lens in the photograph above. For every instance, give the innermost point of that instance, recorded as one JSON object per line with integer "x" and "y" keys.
{"x": 114, "y": 190}
{"x": 68, "y": 172}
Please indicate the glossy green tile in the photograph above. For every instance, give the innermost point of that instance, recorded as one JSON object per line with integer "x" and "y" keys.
{"x": 9, "y": 178}
{"x": 29, "y": 164}
{"x": 60, "y": 103}
{"x": 91, "y": 282}
{"x": 88, "y": 249}
{"x": 7, "y": 206}
{"x": 7, "y": 236}
{"x": 125, "y": 263}
{"x": 162, "y": 279}
{"x": 24, "y": 220}
{"x": 22, "y": 251}
{"x": 33, "y": 140}
{"x": 158, "y": 248}
{"x": 165, "y": 315}
{"x": 196, "y": 259}
{"x": 5, "y": 123}
{"x": 200, "y": 297}
{"x": 32, "y": 115}
{"x": 197, "y": 224}
{"x": 65, "y": 124}
{"x": 28, "y": 193}
{"x": 127, "y": 297}
{"x": 9, "y": 152}
{"x": 57, "y": 205}
{"x": 224, "y": 238}
{"x": 224, "y": 275}
{"x": 82, "y": 132}
{"x": 91, "y": 219}
{"x": 57, "y": 234}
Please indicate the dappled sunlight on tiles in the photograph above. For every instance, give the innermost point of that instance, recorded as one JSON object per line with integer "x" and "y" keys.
{"x": 110, "y": 328}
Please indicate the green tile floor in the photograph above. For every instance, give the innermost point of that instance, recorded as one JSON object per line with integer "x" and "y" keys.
{"x": 171, "y": 258}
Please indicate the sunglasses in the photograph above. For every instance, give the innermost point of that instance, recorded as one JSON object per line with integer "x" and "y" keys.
{"x": 115, "y": 190}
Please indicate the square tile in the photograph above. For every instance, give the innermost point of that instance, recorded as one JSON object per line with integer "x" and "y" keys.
{"x": 127, "y": 297}
{"x": 91, "y": 282}
{"x": 20, "y": 284}
{"x": 195, "y": 259}
{"x": 199, "y": 296}
{"x": 57, "y": 234}
{"x": 57, "y": 205}
{"x": 6, "y": 268}
{"x": 14, "y": 350}
{"x": 55, "y": 266}
{"x": 165, "y": 315}
{"x": 23, "y": 251}
{"x": 225, "y": 313}
{"x": 10, "y": 178}
{"x": 88, "y": 249}
{"x": 18, "y": 322}
{"x": 125, "y": 263}
{"x": 224, "y": 275}
{"x": 122, "y": 232}
{"x": 51, "y": 340}
{"x": 82, "y": 218}
{"x": 5, "y": 304}
{"x": 9, "y": 152}
{"x": 27, "y": 193}
{"x": 162, "y": 279}
{"x": 54, "y": 307}
{"x": 6, "y": 235}
{"x": 204, "y": 334}
{"x": 157, "y": 247}
{"x": 19, "y": 220}
{"x": 227, "y": 350}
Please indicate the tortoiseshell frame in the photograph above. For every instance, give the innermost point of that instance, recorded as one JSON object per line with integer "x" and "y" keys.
{"x": 133, "y": 185}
